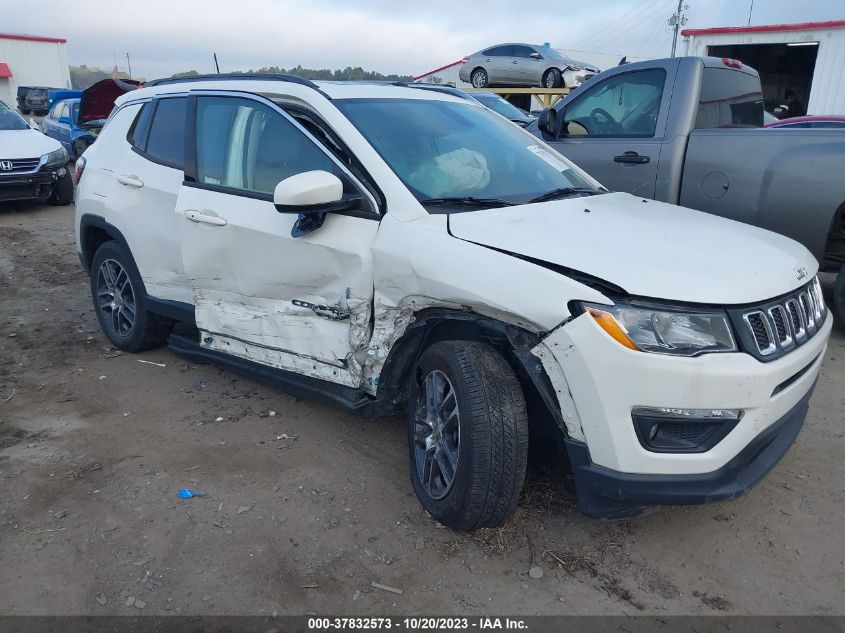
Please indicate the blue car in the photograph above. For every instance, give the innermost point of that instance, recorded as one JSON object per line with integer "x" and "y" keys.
{"x": 61, "y": 123}
{"x": 57, "y": 95}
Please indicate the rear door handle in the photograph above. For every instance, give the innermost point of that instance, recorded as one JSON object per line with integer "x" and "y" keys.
{"x": 205, "y": 217}
{"x": 130, "y": 181}
{"x": 632, "y": 158}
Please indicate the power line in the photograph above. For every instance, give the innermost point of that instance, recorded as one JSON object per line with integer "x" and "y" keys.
{"x": 620, "y": 22}
{"x": 646, "y": 15}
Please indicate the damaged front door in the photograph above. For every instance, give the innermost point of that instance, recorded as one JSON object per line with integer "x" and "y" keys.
{"x": 300, "y": 304}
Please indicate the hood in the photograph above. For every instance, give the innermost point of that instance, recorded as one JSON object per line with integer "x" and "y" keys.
{"x": 26, "y": 144}
{"x": 648, "y": 248}
{"x": 96, "y": 102}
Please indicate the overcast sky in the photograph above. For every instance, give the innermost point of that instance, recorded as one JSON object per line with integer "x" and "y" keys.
{"x": 167, "y": 36}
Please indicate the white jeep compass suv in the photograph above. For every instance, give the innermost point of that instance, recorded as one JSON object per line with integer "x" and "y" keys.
{"x": 386, "y": 247}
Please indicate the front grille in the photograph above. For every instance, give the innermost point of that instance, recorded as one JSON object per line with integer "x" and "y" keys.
{"x": 18, "y": 165}
{"x": 770, "y": 330}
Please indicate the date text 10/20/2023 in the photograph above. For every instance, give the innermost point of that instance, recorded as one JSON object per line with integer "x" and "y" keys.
{"x": 417, "y": 624}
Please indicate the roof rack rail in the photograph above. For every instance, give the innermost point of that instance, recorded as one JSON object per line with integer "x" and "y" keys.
{"x": 448, "y": 90}
{"x": 243, "y": 76}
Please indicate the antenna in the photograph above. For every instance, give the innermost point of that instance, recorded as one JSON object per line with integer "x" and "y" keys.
{"x": 216, "y": 65}
{"x": 750, "y": 10}
{"x": 677, "y": 21}
{"x": 129, "y": 65}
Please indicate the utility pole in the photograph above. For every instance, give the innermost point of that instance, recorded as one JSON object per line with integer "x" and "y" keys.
{"x": 677, "y": 21}
{"x": 129, "y": 65}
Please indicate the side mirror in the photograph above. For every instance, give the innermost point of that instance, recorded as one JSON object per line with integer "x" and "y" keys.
{"x": 548, "y": 121}
{"x": 311, "y": 195}
{"x": 309, "y": 192}
{"x": 65, "y": 120}
{"x": 536, "y": 55}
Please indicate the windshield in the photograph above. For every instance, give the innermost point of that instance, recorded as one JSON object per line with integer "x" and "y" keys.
{"x": 11, "y": 120}
{"x": 500, "y": 106}
{"x": 444, "y": 149}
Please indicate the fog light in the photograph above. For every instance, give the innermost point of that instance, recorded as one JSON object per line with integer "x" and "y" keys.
{"x": 671, "y": 430}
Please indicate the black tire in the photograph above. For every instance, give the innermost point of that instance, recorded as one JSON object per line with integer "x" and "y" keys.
{"x": 79, "y": 146}
{"x": 478, "y": 78}
{"x": 552, "y": 78}
{"x": 490, "y": 450}
{"x": 146, "y": 330}
{"x": 63, "y": 190}
{"x": 839, "y": 297}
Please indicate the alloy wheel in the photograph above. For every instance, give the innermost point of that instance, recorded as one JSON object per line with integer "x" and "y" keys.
{"x": 437, "y": 434}
{"x": 116, "y": 297}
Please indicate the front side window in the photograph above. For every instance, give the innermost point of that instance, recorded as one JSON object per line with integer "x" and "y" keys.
{"x": 625, "y": 105}
{"x": 523, "y": 51}
{"x": 445, "y": 149}
{"x": 729, "y": 98}
{"x": 248, "y": 146}
{"x": 166, "y": 141}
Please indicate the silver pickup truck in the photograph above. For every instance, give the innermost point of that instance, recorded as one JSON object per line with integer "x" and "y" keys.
{"x": 689, "y": 131}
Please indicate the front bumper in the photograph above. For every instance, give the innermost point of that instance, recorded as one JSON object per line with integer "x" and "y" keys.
{"x": 609, "y": 494}
{"x": 598, "y": 383}
{"x": 36, "y": 185}
{"x": 573, "y": 78}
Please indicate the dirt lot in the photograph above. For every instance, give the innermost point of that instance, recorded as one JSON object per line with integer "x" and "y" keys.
{"x": 306, "y": 506}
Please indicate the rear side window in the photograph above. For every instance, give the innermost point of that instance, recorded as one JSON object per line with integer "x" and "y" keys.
{"x": 499, "y": 51}
{"x": 166, "y": 141}
{"x": 729, "y": 98}
{"x": 137, "y": 134}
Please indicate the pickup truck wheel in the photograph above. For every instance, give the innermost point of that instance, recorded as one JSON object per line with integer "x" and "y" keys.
{"x": 63, "y": 190}
{"x": 467, "y": 435}
{"x": 552, "y": 78}
{"x": 839, "y": 297}
{"x": 120, "y": 301}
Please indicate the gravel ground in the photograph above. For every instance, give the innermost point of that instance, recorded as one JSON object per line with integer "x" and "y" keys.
{"x": 306, "y": 506}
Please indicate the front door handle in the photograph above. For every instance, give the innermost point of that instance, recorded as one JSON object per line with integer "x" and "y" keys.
{"x": 514, "y": 62}
{"x": 632, "y": 158}
{"x": 205, "y": 217}
{"x": 130, "y": 181}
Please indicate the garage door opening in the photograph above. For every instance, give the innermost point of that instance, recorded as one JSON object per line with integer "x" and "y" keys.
{"x": 786, "y": 72}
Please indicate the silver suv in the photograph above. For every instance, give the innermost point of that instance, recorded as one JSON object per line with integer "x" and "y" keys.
{"x": 524, "y": 65}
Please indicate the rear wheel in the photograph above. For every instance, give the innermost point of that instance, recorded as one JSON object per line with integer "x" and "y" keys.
{"x": 467, "y": 435}
{"x": 478, "y": 78}
{"x": 552, "y": 78}
{"x": 120, "y": 301}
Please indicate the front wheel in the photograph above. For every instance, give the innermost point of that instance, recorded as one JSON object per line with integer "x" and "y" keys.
{"x": 552, "y": 78}
{"x": 120, "y": 301}
{"x": 839, "y": 297}
{"x": 467, "y": 435}
{"x": 63, "y": 190}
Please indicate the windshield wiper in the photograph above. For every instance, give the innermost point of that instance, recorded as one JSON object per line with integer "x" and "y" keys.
{"x": 565, "y": 192}
{"x": 468, "y": 201}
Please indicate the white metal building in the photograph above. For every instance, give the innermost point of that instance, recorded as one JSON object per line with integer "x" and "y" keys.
{"x": 803, "y": 63}
{"x": 31, "y": 60}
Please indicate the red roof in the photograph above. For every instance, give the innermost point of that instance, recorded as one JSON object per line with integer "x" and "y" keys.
{"x": 769, "y": 28}
{"x": 32, "y": 38}
{"x": 5, "y": 71}
{"x": 437, "y": 70}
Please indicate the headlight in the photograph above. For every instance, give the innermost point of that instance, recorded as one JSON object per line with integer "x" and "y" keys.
{"x": 665, "y": 330}
{"x": 574, "y": 67}
{"x": 59, "y": 157}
